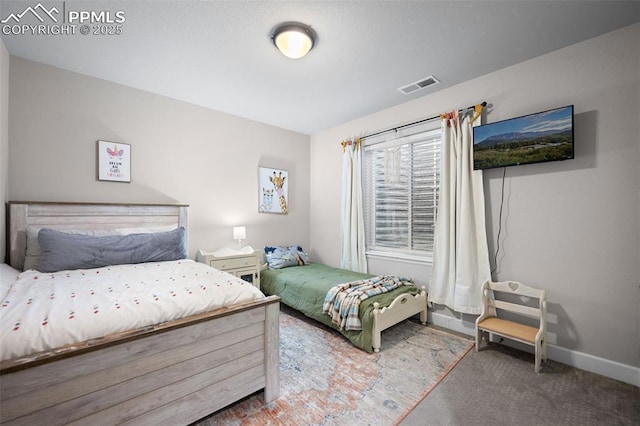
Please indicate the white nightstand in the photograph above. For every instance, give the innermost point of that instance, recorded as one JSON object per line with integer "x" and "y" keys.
{"x": 242, "y": 263}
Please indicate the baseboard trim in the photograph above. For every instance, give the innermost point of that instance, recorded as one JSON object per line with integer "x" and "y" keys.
{"x": 605, "y": 367}
{"x": 451, "y": 323}
{"x": 612, "y": 369}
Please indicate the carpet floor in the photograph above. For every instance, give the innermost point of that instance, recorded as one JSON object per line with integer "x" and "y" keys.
{"x": 325, "y": 380}
{"x": 498, "y": 386}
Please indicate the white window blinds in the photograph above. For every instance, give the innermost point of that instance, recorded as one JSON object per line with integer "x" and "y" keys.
{"x": 400, "y": 184}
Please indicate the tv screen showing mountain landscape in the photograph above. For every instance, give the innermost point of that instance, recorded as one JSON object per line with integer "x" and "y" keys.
{"x": 534, "y": 138}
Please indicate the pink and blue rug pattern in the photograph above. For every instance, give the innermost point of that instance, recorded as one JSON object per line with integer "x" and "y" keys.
{"x": 326, "y": 381}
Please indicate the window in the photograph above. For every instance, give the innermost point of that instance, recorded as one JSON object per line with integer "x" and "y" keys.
{"x": 401, "y": 175}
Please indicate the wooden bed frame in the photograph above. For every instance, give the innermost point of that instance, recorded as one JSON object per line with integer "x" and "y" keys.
{"x": 403, "y": 307}
{"x": 171, "y": 373}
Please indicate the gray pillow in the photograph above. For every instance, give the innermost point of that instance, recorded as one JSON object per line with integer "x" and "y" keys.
{"x": 32, "y": 255}
{"x": 62, "y": 251}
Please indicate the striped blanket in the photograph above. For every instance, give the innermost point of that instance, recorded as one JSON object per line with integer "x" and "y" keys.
{"x": 342, "y": 302}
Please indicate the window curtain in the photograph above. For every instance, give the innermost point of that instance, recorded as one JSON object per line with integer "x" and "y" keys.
{"x": 352, "y": 220}
{"x": 460, "y": 255}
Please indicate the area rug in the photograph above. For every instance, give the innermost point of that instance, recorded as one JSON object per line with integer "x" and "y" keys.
{"x": 325, "y": 380}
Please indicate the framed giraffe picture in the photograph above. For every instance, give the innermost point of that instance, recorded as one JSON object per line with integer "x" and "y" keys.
{"x": 273, "y": 190}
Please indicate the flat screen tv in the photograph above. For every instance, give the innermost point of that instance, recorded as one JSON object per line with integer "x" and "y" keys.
{"x": 534, "y": 138}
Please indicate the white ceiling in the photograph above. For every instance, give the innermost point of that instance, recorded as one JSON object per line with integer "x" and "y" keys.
{"x": 218, "y": 54}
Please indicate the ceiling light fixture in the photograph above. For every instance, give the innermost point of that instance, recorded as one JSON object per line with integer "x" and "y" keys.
{"x": 294, "y": 39}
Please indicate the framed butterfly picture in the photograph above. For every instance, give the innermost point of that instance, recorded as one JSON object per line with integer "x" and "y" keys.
{"x": 114, "y": 161}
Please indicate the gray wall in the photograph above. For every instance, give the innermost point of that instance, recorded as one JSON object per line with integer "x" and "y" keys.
{"x": 180, "y": 153}
{"x": 570, "y": 227}
{"x": 4, "y": 141}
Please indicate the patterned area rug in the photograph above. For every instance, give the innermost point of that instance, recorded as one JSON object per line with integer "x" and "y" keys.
{"x": 326, "y": 381}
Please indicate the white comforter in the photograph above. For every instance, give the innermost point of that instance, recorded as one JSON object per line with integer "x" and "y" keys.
{"x": 44, "y": 311}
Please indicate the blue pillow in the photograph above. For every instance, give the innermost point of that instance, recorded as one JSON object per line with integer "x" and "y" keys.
{"x": 279, "y": 257}
{"x": 62, "y": 251}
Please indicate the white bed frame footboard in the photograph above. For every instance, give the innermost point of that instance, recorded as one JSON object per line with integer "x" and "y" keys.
{"x": 172, "y": 373}
{"x": 402, "y": 307}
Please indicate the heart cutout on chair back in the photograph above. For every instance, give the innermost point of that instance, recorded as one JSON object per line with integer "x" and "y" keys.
{"x": 513, "y": 286}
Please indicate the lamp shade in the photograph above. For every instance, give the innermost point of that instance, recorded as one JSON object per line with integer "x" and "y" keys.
{"x": 239, "y": 233}
{"x": 293, "y": 39}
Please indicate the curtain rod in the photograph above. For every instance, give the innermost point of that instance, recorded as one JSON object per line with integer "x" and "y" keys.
{"x": 484, "y": 104}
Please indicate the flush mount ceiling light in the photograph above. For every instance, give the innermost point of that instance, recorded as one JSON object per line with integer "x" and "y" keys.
{"x": 294, "y": 39}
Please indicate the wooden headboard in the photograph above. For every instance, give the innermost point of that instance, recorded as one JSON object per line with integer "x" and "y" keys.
{"x": 85, "y": 216}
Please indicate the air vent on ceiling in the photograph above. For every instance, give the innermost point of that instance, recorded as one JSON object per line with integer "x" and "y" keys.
{"x": 419, "y": 85}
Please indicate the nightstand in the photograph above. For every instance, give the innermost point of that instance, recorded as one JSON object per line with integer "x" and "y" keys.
{"x": 244, "y": 264}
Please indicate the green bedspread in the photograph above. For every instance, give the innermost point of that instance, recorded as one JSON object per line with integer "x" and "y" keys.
{"x": 304, "y": 288}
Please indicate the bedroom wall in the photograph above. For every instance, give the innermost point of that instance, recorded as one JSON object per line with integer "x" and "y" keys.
{"x": 570, "y": 227}
{"x": 4, "y": 142}
{"x": 181, "y": 153}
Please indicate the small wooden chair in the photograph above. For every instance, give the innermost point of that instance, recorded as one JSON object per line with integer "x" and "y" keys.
{"x": 488, "y": 323}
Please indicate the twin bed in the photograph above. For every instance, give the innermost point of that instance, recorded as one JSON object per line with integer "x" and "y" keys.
{"x": 175, "y": 363}
{"x": 305, "y": 287}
